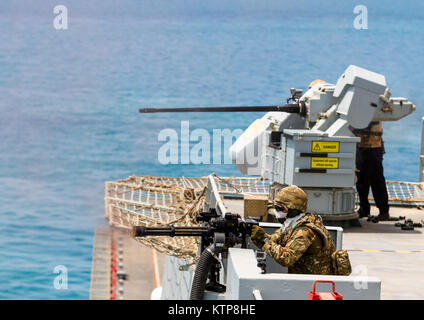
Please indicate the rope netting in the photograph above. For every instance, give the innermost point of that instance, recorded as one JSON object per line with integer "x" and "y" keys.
{"x": 404, "y": 193}
{"x": 161, "y": 201}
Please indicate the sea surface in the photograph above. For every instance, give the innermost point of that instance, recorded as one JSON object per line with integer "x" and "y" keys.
{"x": 69, "y": 102}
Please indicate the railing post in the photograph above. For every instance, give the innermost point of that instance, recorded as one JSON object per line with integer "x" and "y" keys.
{"x": 420, "y": 176}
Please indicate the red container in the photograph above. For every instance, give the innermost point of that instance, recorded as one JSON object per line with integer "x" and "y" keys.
{"x": 312, "y": 295}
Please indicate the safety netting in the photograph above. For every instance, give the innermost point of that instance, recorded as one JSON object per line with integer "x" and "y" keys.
{"x": 163, "y": 201}
{"x": 404, "y": 193}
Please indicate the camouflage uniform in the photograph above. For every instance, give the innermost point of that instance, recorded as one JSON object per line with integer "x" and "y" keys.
{"x": 304, "y": 247}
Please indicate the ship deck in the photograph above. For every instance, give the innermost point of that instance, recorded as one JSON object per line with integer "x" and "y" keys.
{"x": 376, "y": 249}
{"x": 395, "y": 256}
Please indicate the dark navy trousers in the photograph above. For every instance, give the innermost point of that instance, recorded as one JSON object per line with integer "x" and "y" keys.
{"x": 369, "y": 162}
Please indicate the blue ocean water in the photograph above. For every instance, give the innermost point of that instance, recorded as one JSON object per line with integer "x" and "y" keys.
{"x": 69, "y": 102}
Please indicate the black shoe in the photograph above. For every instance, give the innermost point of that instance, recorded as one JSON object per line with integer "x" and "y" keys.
{"x": 383, "y": 216}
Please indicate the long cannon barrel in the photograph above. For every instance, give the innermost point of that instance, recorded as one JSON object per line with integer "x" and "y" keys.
{"x": 171, "y": 231}
{"x": 290, "y": 108}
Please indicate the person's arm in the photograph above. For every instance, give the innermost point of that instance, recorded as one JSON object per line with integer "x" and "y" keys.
{"x": 297, "y": 245}
{"x": 275, "y": 236}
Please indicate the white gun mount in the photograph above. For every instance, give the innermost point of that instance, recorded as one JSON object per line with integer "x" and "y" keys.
{"x": 359, "y": 97}
{"x": 309, "y": 142}
{"x": 315, "y": 149}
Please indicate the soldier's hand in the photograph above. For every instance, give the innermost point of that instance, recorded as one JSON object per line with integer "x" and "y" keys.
{"x": 275, "y": 237}
{"x": 257, "y": 235}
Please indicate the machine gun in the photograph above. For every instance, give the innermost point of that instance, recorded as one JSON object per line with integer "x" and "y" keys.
{"x": 217, "y": 235}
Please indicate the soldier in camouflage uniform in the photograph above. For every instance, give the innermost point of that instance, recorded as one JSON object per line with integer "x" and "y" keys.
{"x": 303, "y": 244}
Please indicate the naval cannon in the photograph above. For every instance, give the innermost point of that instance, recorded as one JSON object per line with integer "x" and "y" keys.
{"x": 310, "y": 141}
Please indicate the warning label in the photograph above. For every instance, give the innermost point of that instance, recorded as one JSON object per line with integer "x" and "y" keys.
{"x": 325, "y": 146}
{"x": 324, "y": 163}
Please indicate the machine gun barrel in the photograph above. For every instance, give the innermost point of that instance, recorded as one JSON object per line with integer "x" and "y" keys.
{"x": 171, "y": 231}
{"x": 290, "y": 108}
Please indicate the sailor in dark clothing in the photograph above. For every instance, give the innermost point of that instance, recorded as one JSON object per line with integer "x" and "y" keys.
{"x": 369, "y": 163}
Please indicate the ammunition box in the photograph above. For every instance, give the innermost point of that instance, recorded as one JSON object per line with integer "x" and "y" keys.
{"x": 255, "y": 205}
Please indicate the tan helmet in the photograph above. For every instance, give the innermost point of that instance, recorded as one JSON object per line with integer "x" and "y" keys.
{"x": 315, "y": 82}
{"x": 293, "y": 198}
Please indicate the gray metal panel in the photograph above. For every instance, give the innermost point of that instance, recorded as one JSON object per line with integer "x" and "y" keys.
{"x": 356, "y": 106}
{"x": 300, "y": 142}
{"x": 361, "y": 78}
{"x": 176, "y": 284}
{"x": 331, "y": 200}
{"x": 244, "y": 277}
{"x": 358, "y": 90}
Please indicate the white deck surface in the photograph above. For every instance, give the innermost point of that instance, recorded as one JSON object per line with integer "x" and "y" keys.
{"x": 389, "y": 253}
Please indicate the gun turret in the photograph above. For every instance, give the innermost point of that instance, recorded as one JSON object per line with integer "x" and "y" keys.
{"x": 310, "y": 141}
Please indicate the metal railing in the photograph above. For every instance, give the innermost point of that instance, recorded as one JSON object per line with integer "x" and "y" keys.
{"x": 420, "y": 175}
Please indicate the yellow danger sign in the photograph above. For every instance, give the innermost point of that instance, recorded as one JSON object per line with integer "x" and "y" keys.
{"x": 324, "y": 163}
{"x": 325, "y": 146}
